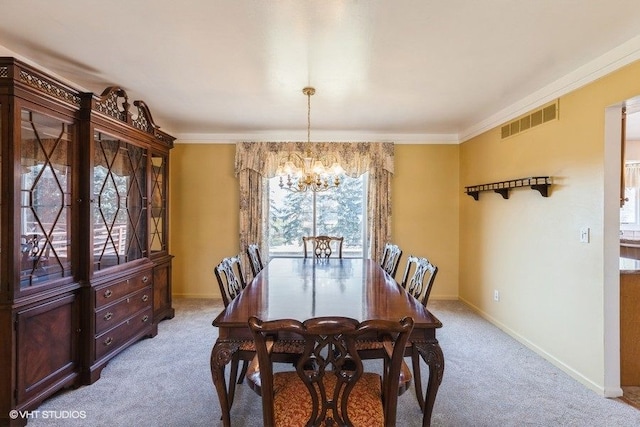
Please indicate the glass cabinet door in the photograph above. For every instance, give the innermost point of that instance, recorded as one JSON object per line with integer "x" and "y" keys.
{"x": 157, "y": 232}
{"x": 45, "y": 198}
{"x": 119, "y": 202}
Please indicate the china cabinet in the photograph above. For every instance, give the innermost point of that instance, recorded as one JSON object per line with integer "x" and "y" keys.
{"x": 84, "y": 262}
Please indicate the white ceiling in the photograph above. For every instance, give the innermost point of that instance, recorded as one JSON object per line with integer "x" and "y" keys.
{"x": 402, "y": 70}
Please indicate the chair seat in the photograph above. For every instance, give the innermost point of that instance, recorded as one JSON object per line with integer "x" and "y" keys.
{"x": 367, "y": 345}
{"x": 283, "y": 346}
{"x": 292, "y": 402}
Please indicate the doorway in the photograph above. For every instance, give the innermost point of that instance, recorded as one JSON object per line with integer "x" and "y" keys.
{"x": 630, "y": 253}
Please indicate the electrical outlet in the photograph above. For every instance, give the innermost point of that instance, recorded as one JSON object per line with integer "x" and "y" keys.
{"x": 496, "y": 295}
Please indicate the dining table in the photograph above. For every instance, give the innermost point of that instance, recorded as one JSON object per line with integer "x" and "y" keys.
{"x": 305, "y": 288}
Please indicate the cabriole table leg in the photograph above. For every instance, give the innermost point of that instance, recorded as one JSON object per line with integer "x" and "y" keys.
{"x": 432, "y": 355}
{"x": 221, "y": 355}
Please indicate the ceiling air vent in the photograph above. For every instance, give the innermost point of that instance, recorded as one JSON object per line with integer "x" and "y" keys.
{"x": 542, "y": 115}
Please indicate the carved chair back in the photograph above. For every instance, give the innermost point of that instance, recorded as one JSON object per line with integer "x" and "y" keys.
{"x": 322, "y": 245}
{"x": 419, "y": 283}
{"x": 255, "y": 260}
{"x": 230, "y": 278}
{"x": 329, "y": 385}
{"x": 391, "y": 259}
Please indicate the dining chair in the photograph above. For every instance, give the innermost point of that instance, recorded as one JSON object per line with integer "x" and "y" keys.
{"x": 321, "y": 246}
{"x": 422, "y": 274}
{"x": 418, "y": 279}
{"x": 391, "y": 259}
{"x": 231, "y": 282}
{"x": 230, "y": 278}
{"x": 329, "y": 385}
{"x": 255, "y": 260}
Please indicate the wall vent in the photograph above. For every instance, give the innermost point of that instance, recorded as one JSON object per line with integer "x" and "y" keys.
{"x": 542, "y": 115}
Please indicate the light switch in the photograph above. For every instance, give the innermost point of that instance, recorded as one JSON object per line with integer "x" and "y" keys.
{"x": 584, "y": 234}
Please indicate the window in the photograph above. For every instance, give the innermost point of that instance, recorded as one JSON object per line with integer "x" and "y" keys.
{"x": 629, "y": 218}
{"x": 337, "y": 212}
{"x": 629, "y": 212}
{"x": 257, "y": 160}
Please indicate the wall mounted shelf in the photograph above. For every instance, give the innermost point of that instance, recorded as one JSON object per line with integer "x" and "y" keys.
{"x": 540, "y": 183}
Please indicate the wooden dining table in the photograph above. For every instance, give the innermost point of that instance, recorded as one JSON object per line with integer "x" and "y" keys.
{"x": 304, "y": 288}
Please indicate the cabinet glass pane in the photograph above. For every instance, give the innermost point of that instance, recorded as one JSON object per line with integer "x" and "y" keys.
{"x": 45, "y": 198}
{"x": 2, "y": 144}
{"x": 119, "y": 202}
{"x": 158, "y": 204}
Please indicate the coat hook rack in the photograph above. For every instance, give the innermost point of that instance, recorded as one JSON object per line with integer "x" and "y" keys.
{"x": 539, "y": 183}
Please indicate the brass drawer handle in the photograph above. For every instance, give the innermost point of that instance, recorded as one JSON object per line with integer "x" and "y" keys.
{"x": 108, "y": 293}
{"x": 145, "y": 318}
{"x": 108, "y": 316}
{"x": 145, "y": 298}
{"x": 145, "y": 279}
{"x": 108, "y": 341}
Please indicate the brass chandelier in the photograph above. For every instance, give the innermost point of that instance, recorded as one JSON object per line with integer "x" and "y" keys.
{"x": 300, "y": 173}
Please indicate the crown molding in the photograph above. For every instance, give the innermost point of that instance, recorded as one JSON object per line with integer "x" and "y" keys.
{"x": 333, "y": 136}
{"x": 616, "y": 58}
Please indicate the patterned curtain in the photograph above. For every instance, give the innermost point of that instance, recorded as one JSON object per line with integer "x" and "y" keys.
{"x": 256, "y": 161}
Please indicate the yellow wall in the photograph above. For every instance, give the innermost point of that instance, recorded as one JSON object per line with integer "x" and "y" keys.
{"x": 425, "y": 197}
{"x": 204, "y": 212}
{"x": 551, "y": 285}
{"x": 204, "y": 215}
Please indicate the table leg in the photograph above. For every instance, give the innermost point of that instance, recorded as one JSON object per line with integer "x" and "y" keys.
{"x": 221, "y": 355}
{"x": 432, "y": 355}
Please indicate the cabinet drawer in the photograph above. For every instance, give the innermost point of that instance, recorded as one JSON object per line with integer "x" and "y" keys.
{"x": 108, "y": 294}
{"x": 116, "y": 337}
{"x": 110, "y": 316}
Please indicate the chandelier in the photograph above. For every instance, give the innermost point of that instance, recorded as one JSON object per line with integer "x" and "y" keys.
{"x": 299, "y": 173}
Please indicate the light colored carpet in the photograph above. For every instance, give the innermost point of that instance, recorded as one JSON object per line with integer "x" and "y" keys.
{"x": 489, "y": 380}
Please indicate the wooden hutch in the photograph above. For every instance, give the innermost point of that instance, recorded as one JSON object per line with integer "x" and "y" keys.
{"x": 84, "y": 264}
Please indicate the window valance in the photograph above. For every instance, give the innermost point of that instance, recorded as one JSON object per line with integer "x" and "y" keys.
{"x": 355, "y": 158}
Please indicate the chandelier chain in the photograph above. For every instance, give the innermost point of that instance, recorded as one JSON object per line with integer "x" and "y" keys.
{"x": 308, "y": 117}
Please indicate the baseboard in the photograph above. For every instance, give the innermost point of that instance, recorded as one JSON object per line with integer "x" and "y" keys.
{"x": 605, "y": 392}
{"x": 444, "y": 298}
{"x": 196, "y": 296}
